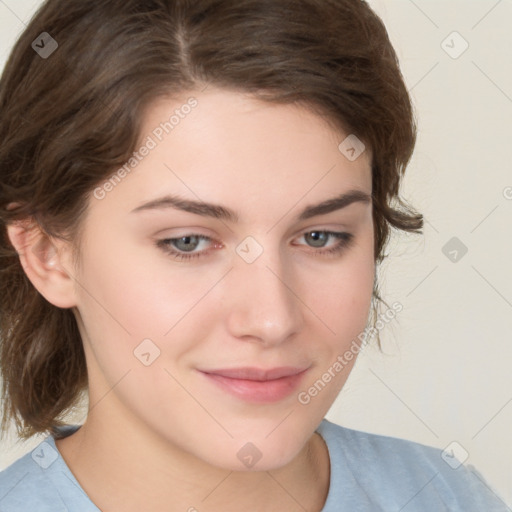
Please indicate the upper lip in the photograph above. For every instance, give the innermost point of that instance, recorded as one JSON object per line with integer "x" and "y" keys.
{"x": 257, "y": 374}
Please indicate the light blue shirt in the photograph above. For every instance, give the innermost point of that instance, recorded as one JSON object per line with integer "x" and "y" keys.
{"x": 369, "y": 472}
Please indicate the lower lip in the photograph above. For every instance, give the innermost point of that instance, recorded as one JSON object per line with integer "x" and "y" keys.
{"x": 258, "y": 391}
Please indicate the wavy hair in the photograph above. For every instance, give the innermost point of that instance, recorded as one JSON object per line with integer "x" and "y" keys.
{"x": 70, "y": 118}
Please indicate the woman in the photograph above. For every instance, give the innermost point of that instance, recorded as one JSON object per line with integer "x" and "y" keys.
{"x": 271, "y": 138}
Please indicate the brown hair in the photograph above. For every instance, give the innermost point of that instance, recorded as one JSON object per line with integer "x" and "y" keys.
{"x": 70, "y": 119}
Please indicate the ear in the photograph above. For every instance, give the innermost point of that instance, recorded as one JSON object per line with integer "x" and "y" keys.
{"x": 44, "y": 261}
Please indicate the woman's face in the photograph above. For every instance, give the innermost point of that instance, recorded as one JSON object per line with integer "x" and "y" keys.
{"x": 191, "y": 350}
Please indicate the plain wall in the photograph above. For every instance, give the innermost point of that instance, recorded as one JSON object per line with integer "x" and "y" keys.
{"x": 445, "y": 372}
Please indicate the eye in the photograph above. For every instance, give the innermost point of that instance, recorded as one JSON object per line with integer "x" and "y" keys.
{"x": 319, "y": 237}
{"x": 188, "y": 243}
{"x": 184, "y": 243}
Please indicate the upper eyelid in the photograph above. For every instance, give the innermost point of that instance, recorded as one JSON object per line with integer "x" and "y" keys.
{"x": 300, "y": 232}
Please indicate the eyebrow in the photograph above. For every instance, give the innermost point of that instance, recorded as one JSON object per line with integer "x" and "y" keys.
{"x": 222, "y": 213}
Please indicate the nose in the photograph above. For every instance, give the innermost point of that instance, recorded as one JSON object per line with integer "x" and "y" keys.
{"x": 264, "y": 307}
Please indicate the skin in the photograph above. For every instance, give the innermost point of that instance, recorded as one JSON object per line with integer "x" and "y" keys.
{"x": 163, "y": 436}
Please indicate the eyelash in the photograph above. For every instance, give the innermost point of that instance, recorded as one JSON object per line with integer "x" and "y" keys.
{"x": 345, "y": 241}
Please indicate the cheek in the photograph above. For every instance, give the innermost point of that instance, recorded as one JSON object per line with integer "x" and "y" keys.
{"x": 135, "y": 295}
{"x": 135, "y": 290}
{"x": 347, "y": 302}
{"x": 344, "y": 300}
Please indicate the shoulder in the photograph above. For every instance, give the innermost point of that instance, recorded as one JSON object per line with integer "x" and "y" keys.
{"x": 40, "y": 480}
{"x": 394, "y": 472}
{"x": 25, "y": 483}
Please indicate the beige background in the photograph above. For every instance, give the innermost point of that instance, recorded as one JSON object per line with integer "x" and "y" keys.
{"x": 445, "y": 375}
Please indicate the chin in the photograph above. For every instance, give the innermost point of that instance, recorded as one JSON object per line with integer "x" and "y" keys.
{"x": 258, "y": 455}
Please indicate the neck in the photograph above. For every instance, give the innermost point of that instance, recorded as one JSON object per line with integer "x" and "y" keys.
{"x": 124, "y": 466}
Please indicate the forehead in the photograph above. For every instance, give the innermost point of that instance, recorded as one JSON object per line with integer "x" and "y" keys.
{"x": 236, "y": 115}
{"x": 229, "y": 147}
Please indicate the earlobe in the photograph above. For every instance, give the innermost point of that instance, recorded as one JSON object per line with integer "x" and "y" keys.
{"x": 43, "y": 260}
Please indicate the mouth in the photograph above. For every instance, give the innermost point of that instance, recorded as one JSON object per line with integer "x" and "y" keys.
{"x": 255, "y": 384}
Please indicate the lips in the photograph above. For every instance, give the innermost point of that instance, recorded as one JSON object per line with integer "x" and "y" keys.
{"x": 256, "y": 384}
{"x": 257, "y": 374}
